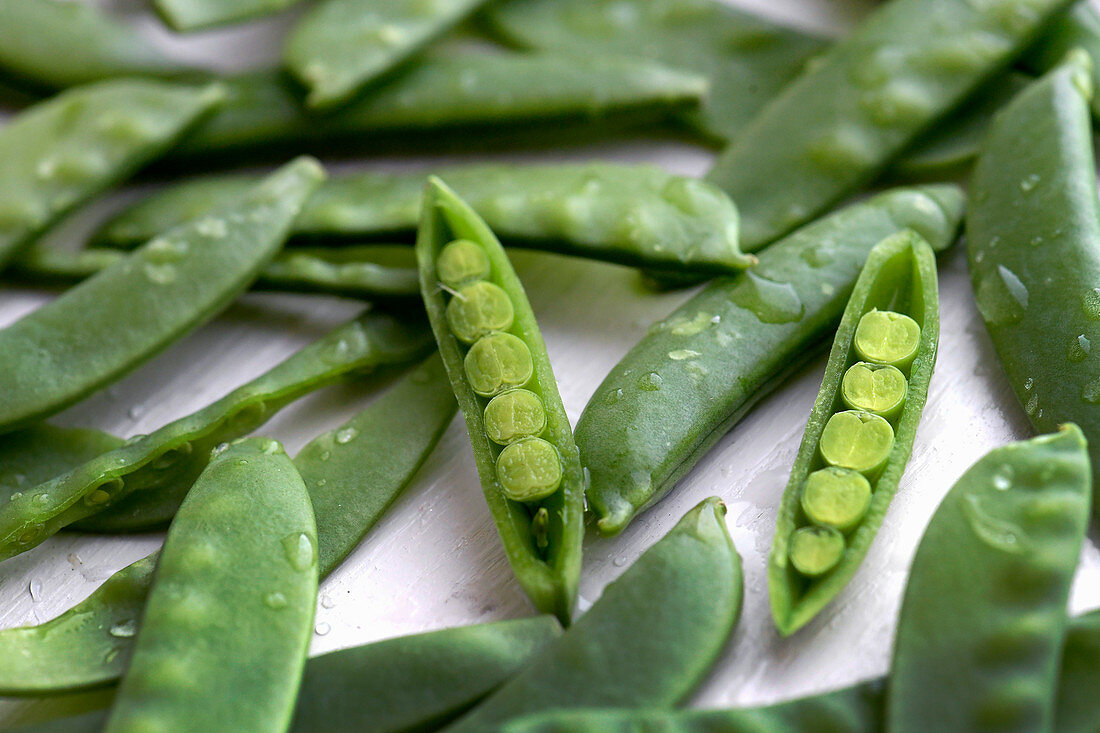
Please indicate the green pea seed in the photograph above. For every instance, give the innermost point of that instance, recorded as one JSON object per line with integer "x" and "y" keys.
{"x": 498, "y": 362}
{"x": 886, "y": 337}
{"x": 876, "y": 388}
{"x": 479, "y": 309}
{"x": 857, "y": 440}
{"x": 816, "y": 550}
{"x": 461, "y": 262}
{"x": 514, "y": 415}
{"x": 836, "y": 497}
{"x": 529, "y": 470}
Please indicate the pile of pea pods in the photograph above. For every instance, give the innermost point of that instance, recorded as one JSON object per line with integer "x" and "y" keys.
{"x": 843, "y": 167}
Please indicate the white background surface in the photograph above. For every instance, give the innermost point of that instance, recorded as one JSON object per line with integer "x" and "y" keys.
{"x": 435, "y": 560}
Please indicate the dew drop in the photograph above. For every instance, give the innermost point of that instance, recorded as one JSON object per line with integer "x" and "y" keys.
{"x": 1090, "y": 304}
{"x": 769, "y": 301}
{"x": 212, "y": 228}
{"x": 1002, "y": 297}
{"x": 275, "y": 601}
{"x": 1000, "y": 534}
{"x": 1079, "y": 348}
{"x": 327, "y": 602}
{"x": 160, "y": 274}
{"x": 650, "y": 382}
{"x": 300, "y": 551}
{"x": 322, "y": 628}
{"x": 124, "y": 629}
{"x": 346, "y": 435}
{"x": 612, "y": 396}
{"x": 136, "y": 411}
{"x": 1029, "y": 182}
{"x": 682, "y": 354}
{"x": 35, "y": 589}
{"x": 1002, "y": 479}
{"x": 1090, "y": 393}
{"x": 42, "y": 499}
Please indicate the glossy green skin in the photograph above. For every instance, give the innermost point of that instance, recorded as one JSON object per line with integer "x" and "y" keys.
{"x": 908, "y": 65}
{"x": 1033, "y": 246}
{"x": 111, "y": 323}
{"x": 245, "y": 534}
{"x": 638, "y": 435}
{"x": 900, "y": 276}
{"x": 341, "y": 46}
{"x": 979, "y": 643}
{"x": 548, "y": 575}
{"x": 1077, "y": 28}
{"x": 163, "y": 464}
{"x": 192, "y": 15}
{"x": 66, "y": 150}
{"x": 351, "y": 270}
{"x": 649, "y": 639}
{"x": 629, "y": 214}
{"x": 96, "y": 46}
{"x": 396, "y": 434}
{"x": 37, "y": 453}
{"x": 262, "y": 116}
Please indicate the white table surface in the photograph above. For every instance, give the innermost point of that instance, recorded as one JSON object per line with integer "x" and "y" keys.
{"x": 435, "y": 560}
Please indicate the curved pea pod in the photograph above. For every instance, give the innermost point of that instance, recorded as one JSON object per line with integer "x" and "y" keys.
{"x": 193, "y": 15}
{"x": 629, "y": 214}
{"x": 701, "y": 369}
{"x": 1078, "y": 27}
{"x": 66, "y": 150}
{"x": 1033, "y": 246}
{"x": 96, "y": 47}
{"x": 649, "y": 639}
{"x": 907, "y": 66}
{"x": 530, "y": 470}
{"x": 114, "y": 321}
{"x": 231, "y": 607}
{"x": 846, "y": 473}
{"x": 979, "y": 642}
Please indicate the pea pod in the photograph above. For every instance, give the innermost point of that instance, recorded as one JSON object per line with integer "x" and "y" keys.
{"x": 341, "y": 46}
{"x": 66, "y": 150}
{"x": 701, "y": 369}
{"x": 232, "y": 604}
{"x": 907, "y": 66}
{"x": 192, "y": 15}
{"x": 353, "y": 474}
{"x": 649, "y": 639}
{"x": 1033, "y": 245}
{"x": 860, "y": 433}
{"x": 495, "y": 356}
{"x": 979, "y": 643}
{"x": 630, "y": 214}
{"x": 1079, "y": 27}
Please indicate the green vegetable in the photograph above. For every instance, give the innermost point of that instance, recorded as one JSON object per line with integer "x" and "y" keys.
{"x": 649, "y": 639}
{"x": 341, "y": 46}
{"x": 836, "y": 498}
{"x": 698, "y": 371}
{"x": 979, "y": 642}
{"x": 192, "y": 15}
{"x": 844, "y": 120}
{"x": 1076, "y": 707}
{"x": 1033, "y": 245}
{"x": 66, "y": 150}
{"x": 534, "y": 487}
{"x": 879, "y": 389}
{"x": 231, "y": 608}
{"x": 892, "y": 316}
{"x": 1079, "y": 27}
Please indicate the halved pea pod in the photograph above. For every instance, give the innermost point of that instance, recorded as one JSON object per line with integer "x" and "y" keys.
{"x": 528, "y": 462}
{"x": 850, "y": 461}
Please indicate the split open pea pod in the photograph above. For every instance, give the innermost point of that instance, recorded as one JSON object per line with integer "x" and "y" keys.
{"x": 861, "y": 430}
{"x": 490, "y": 343}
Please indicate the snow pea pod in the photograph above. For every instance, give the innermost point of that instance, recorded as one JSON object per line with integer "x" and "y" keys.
{"x": 630, "y": 214}
{"x": 1033, "y": 245}
{"x": 341, "y": 46}
{"x": 908, "y": 65}
{"x": 114, "y": 321}
{"x": 193, "y": 15}
{"x": 522, "y": 442}
{"x": 351, "y": 484}
{"x": 648, "y": 640}
{"x": 979, "y": 642}
{"x": 701, "y": 369}
{"x": 828, "y": 498}
{"x": 232, "y": 604}
{"x": 62, "y": 152}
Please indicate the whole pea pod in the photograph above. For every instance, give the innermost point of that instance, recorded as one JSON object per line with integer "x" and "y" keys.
{"x": 629, "y": 214}
{"x": 649, "y": 639}
{"x": 66, "y": 150}
{"x": 701, "y": 369}
{"x": 111, "y": 323}
{"x": 231, "y": 607}
{"x": 193, "y": 15}
{"x": 860, "y": 432}
{"x": 1033, "y": 246}
{"x": 521, "y": 438}
{"x": 908, "y": 65}
{"x": 979, "y": 643}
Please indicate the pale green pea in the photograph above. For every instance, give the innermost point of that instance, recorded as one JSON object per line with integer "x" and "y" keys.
{"x": 816, "y": 550}
{"x": 460, "y": 262}
{"x": 514, "y": 415}
{"x": 498, "y": 362}
{"x": 529, "y": 470}
{"x": 886, "y": 337}
{"x": 876, "y": 388}
{"x": 836, "y": 497}
{"x": 856, "y": 440}
{"x": 479, "y": 309}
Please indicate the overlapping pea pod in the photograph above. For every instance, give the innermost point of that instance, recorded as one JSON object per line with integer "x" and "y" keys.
{"x": 522, "y": 442}
{"x": 109, "y": 324}
{"x": 860, "y": 432}
{"x": 193, "y": 15}
{"x": 629, "y": 214}
{"x": 701, "y": 369}
{"x": 353, "y": 474}
{"x": 164, "y": 463}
